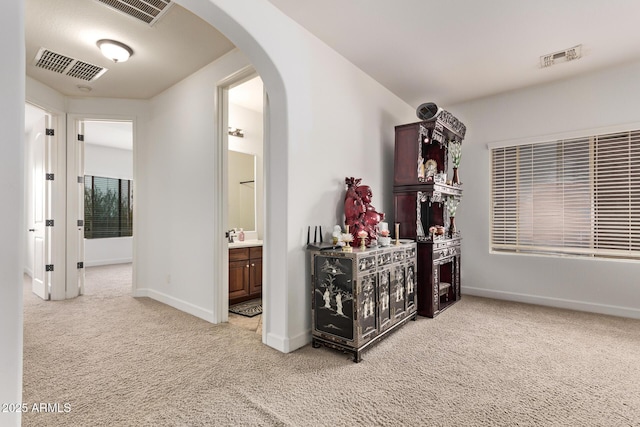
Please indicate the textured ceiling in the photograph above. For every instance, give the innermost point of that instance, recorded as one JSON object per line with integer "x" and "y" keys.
{"x": 421, "y": 50}
{"x": 72, "y": 28}
{"x": 457, "y": 50}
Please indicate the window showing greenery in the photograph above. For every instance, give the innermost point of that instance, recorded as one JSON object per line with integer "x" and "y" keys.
{"x": 108, "y": 207}
{"x": 578, "y": 196}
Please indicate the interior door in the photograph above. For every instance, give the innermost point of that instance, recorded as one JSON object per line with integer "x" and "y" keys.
{"x": 41, "y": 243}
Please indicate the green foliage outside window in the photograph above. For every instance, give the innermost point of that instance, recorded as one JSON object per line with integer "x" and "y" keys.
{"x": 108, "y": 207}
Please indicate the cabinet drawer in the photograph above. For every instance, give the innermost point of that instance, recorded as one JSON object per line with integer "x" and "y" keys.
{"x": 255, "y": 252}
{"x": 238, "y": 254}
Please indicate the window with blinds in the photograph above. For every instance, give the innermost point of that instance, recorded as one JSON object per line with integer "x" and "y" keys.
{"x": 108, "y": 207}
{"x": 578, "y": 196}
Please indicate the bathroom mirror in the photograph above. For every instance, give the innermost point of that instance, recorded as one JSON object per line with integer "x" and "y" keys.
{"x": 241, "y": 191}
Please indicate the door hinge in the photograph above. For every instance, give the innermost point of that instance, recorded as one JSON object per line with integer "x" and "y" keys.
{"x": 48, "y": 267}
{"x": 49, "y": 223}
{"x": 80, "y": 223}
{"x": 50, "y": 177}
{"x": 80, "y": 180}
{"x": 50, "y": 132}
{"x": 81, "y": 265}
{"x": 80, "y": 137}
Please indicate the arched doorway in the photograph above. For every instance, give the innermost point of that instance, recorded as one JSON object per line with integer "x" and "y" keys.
{"x": 275, "y": 295}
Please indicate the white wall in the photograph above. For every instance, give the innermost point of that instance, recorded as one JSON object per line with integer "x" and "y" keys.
{"x": 113, "y": 163}
{"x": 12, "y": 223}
{"x": 177, "y": 167}
{"x": 607, "y": 98}
{"x": 107, "y": 161}
{"x": 44, "y": 97}
{"x": 328, "y": 120}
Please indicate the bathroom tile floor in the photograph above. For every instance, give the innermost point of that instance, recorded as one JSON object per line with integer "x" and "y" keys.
{"x": 251, "y": 323}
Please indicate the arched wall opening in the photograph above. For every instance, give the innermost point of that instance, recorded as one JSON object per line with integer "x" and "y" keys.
{"x": 234, "y": 22}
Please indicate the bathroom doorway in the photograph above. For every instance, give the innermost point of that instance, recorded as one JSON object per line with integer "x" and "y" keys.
{"x": 245, "y": 200}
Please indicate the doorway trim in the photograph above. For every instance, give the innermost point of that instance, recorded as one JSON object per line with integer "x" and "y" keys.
{"x": 221, "y": 263}
{"x": 73, "y": 251}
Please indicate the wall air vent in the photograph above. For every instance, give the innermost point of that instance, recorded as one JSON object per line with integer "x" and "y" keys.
{"x": 561, "y": 56}
{"x": 62, "y": 64}
{"x": 147, "y": 11}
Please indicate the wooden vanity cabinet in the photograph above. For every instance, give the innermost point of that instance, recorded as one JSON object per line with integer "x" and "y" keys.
{"x": 255, "y": 271}
{"x": 245, "y": 274}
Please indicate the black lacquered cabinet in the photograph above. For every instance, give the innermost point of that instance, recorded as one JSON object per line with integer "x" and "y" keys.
{"x": 359, "y": 297}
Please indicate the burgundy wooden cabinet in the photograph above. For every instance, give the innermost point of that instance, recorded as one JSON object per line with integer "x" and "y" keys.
{"x": 426, "y": 192}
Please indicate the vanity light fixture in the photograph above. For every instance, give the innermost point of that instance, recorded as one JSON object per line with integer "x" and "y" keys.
{"x": 236, "y": 132}
{"x": 114, "y": 50}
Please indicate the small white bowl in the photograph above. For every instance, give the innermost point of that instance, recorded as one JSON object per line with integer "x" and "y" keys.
{"x": 384, "y": 241}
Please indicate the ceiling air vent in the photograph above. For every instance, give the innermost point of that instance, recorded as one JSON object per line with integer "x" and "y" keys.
{"x": 61, "y": 64}
{"x": 562, "y": 56}
{"x": 148, "y": 11}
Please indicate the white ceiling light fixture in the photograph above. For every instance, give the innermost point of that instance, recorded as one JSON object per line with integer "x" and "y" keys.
{"x": 114, "y": 50}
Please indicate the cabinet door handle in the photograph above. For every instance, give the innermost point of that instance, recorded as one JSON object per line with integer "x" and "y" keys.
{"x": 253, "y": 265}
{"x": 247, "y": 265}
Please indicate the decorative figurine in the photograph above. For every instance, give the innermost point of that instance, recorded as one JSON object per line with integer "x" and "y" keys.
{"x": 363, "y": 235}
{"x": 337, "y": 236}
{"x": 431, "y": 168}
{"x": 359, "y": 214}
{"x": 384, "y": 238}
{"x": 347, "y": 238}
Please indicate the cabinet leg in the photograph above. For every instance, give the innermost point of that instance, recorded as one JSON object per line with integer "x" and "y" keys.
{"x": 357, "y": 357}
{"x": 315, "y": 344}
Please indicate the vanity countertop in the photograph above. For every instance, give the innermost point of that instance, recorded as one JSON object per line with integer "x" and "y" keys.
{"x": 245, "y": 244}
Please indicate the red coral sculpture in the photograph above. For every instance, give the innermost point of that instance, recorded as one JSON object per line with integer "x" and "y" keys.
{"x": 359, "y": 214}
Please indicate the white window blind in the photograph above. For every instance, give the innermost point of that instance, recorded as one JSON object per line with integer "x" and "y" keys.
{"x": 579, "y": 196}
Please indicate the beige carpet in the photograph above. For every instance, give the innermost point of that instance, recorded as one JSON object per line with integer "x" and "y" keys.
{"x": 120, "y": 361}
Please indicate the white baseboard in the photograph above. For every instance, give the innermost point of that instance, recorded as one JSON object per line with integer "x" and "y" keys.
{"x": 278, "y": 342}
{"x": 590, "y": 307}
{"x": 187, "y": 307}
{"x": 300, "y": 340}
{"x": 96, "y": 263}
{"x": 287, "y": 345}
